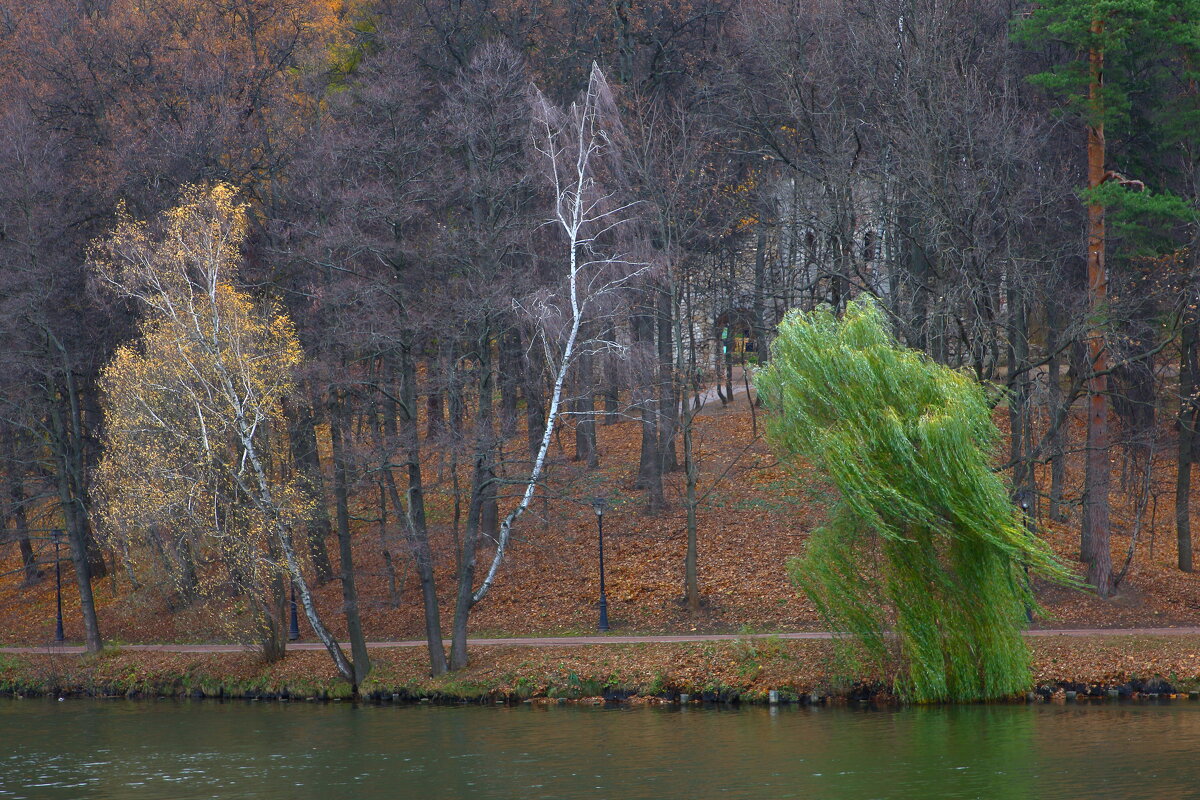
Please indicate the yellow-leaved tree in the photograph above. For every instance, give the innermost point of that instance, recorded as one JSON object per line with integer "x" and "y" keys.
{"x": 194, "y": 473}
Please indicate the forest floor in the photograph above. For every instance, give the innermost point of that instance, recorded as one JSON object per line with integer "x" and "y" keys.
{"x": 755, "y": 516}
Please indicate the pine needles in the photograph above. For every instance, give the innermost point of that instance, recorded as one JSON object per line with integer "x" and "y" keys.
{"x": 924, "y": 542}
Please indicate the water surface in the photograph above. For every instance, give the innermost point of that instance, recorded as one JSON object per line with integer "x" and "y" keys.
{"x": 177, "y": 750}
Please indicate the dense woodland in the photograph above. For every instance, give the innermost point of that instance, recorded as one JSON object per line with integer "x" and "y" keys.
{"x": 438, "y": 228}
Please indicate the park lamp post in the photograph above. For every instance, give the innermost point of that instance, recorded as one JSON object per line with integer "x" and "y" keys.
{"x": 598, "y": 504}
{"x": 56, "y": 535}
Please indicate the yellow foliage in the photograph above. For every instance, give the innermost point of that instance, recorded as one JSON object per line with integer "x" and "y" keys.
{"x": 193, "y": 478}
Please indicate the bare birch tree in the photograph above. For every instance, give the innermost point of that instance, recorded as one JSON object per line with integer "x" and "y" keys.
{"x": 578, "y": 150}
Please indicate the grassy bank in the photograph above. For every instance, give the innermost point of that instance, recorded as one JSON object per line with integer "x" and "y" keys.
{"x": 738, "y": 671}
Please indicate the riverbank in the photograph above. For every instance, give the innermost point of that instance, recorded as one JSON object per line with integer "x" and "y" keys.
{"x": 742, "y": 670}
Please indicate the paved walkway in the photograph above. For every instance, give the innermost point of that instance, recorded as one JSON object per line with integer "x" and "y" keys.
{"x": 573, "y": 641}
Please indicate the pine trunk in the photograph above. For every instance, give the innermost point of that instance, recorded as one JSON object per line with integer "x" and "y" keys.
{"x": 1094, "y": 538}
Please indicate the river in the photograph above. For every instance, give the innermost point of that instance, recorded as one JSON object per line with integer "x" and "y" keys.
{"x": 177, "y": 750}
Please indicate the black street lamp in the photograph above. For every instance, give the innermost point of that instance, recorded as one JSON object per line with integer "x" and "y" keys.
{"x": 56, "y": 535}
{"x": 598, "y": 504}
{"x": 294, "y": 625}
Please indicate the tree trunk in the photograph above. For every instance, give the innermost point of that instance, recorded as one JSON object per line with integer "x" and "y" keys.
{"x": 691, "y": 576}
{"x": 759, "y": 309}
{"x": 482, "y": 519}
{"x": 274, "y": 637}
{"x": 464, "y": 598}
{"x": 332, "y": 646}
{"x": 585, "y": 412}
{"x": 435, "y": 411}
{"x": 1018, "y": 405}
{"x": 720, "y": 355}
{"x": 1094, "y": 535}
{"x": 1189, "y": 371}
{"x": 510, "y": 378}
{"x": 690, "y": 406}
{"x": 612, "y": 380}
{"x": 921, "y": 277}
{"x": 270, "y": 604}
{"x": 389, "y": 565}
{"x": 489, "y": 513}
{"x": 649, "y": 462}
{"x": 16, "y": 512}
{"x": 668, "y": 393}
{"x": 414, "y": 515}
{"x": 77, "y": 467}
{"x": 302, "y": 438}
{"x": 256, "y": 469}
{"x": 534, "y": 388}
{"x": 1054, "y": 400}
{"x": 75, "y": 531}
{"x": 189, "y": 587}
{"x": 360, "y": 660}
{"x": 456, "y": 406}
{"x": 729, "y": 344}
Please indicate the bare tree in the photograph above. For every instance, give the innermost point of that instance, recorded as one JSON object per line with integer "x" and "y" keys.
{"x": 576, "y": 146}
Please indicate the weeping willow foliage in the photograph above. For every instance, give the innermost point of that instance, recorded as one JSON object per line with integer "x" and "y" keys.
{"x": 923, "y": 541}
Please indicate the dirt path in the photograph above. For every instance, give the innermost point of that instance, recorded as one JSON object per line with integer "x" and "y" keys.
{"x": 709, "y": 396}
{"x": 570, "y": 641}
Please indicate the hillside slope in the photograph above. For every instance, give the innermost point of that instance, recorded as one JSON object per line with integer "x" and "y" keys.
{"x": 753, "y": 520}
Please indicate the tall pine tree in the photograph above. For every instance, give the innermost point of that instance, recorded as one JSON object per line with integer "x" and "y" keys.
{"x": 1105, "y": 42}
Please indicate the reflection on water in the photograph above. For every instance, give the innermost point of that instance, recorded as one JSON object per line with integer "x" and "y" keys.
{"x": 168, "y": 750}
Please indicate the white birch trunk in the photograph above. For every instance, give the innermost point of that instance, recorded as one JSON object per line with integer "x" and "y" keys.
{"x": 576, "y": 209}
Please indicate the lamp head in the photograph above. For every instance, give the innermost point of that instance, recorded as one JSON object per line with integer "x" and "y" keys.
{"x": 598, "y": 503}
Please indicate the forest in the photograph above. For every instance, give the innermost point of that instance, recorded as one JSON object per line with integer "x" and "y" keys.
{"x": 290, "y": 286}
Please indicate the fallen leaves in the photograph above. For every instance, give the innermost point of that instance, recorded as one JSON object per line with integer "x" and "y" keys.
{"x": 751, "y": 523}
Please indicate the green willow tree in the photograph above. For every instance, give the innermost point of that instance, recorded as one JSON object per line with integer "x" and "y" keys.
{"x": 923, "y": 540}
